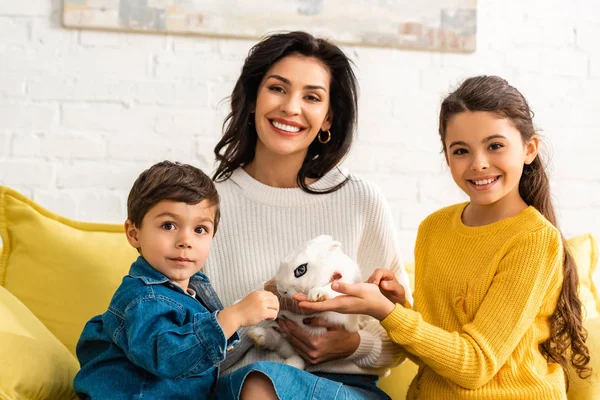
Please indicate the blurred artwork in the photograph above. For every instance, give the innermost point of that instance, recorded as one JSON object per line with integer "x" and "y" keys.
{"x": 440, "y": 25}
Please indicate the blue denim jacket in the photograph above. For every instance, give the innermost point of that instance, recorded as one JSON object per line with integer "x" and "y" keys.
{"x": 154, "y": 342}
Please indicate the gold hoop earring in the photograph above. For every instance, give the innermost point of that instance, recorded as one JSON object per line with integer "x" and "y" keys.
{"x": 321, "y": 139}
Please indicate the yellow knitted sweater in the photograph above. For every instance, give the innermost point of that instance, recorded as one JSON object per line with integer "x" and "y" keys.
{"x": 482, "y": 300}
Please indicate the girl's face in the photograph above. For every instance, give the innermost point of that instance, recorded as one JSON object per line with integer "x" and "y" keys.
{"x": 292, "y": 106}
{"x": 486, "y": 156}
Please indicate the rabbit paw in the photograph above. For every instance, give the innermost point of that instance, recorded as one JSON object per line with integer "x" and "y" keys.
{"x": 295, "y": 361}
{"x": 258, "y": 336}
{"x": 318, "y": 294}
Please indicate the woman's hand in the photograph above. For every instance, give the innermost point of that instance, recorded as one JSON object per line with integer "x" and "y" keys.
{"x": 336, "y": 343}
{"x": 389, "y": 285}
{"x": 360, "y": 298}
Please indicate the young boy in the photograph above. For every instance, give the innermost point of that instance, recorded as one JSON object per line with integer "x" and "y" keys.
{"x": 160, "y": 338}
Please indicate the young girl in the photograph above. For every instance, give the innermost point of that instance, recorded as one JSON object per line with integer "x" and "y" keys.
{"x": 292, "y": 120}
{"x": 496, "y": 313}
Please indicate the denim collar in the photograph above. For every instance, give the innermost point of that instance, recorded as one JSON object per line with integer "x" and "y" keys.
{"x": 142, "y": 270}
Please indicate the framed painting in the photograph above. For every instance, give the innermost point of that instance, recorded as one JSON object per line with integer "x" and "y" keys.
{"x": 439, "y": 25}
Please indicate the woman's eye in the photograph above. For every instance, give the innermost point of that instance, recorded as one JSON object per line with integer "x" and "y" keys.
{"x": 459, "y": 152}
{"x": 496, "y": 146}
{"x": 200, "y": 230}
{"x": 276, "y": 89}
{"x": 313, "y": 98}
{"x": 169, "y": 226}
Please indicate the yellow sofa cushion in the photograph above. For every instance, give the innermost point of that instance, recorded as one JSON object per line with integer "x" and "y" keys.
{"x": 588, "y": 389}
{"x": 64, "y": 271}
{"x": 33, "y": 363}
{"x": 584, "y": 249}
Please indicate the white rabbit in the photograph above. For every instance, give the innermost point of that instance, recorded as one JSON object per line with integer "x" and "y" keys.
{"x": 310, "y": 269}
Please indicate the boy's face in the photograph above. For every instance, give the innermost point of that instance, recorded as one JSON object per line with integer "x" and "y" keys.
{"x": 175, "y": 238}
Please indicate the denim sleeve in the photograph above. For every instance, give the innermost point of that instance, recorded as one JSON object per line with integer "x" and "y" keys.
{"x": 242, "y": 345}
{"x": 161, "y": 338}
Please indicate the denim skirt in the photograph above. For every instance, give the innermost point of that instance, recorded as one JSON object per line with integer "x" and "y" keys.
{"x": 291, "y": 383}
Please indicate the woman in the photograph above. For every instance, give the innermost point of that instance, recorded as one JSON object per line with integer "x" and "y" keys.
{"x": 293, "y": 114}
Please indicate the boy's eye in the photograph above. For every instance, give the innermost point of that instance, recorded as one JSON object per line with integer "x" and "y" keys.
{"x": 169, "y": 226}
{"x": 201, "y": 229}
{"x": 459, "y": 152}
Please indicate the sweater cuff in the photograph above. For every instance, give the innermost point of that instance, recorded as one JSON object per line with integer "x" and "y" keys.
{"x": 395, "y": 319}
{"x": 368, "y": 343}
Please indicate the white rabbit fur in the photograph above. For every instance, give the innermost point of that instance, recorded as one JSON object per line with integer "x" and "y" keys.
{"x": 323, "y": 262}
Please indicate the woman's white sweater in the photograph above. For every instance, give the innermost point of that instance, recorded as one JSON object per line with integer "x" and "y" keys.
{"x": 260, "y": 224}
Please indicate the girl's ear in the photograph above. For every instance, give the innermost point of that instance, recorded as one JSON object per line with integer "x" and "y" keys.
{"x": 531, "y": 149}
{"x": 326, "y": 125}
{"x": 132, "y": 234}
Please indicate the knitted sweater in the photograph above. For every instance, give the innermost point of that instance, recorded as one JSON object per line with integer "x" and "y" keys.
{"x": 483, "y": 296}
{"x": 261, "y": 224}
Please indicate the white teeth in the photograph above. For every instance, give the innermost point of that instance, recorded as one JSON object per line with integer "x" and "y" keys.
{"x": 485, "y": 181}
{"x": 284, "y": 127}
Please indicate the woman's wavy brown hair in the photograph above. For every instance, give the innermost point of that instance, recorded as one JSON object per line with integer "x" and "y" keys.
{"x": 236, "y": 147}
{"x": 494, "y": 94}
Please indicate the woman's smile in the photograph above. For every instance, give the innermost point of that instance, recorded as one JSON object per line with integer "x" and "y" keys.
{"x": 286, "y": 128}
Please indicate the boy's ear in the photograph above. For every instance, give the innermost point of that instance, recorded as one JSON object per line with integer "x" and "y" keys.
{"x": 132, "y": 233}
{"x": 531, "y": 149}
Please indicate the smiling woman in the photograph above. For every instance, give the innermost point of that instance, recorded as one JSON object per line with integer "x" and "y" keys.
{"x": 304, "y": 83}
{"x": 292, "y": 120}
{"x": 292, "y": 107}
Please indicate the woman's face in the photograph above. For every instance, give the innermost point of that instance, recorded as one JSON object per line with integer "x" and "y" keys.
{"x": 292, "y": 106}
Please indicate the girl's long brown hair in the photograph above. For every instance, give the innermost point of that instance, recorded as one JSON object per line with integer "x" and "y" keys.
{"x": 494, "y": 94}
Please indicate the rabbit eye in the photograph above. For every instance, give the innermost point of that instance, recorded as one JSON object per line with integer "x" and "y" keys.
{"x": 301, "y": 270}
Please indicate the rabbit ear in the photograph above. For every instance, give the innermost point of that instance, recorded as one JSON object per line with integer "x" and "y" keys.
{"x": 321, "y": 239}
{"x": 326, "y": 240}
{"x": 334, "y": 245}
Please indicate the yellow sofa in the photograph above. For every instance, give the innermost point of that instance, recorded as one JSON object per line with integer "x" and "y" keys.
{"x": 56, "y": 273}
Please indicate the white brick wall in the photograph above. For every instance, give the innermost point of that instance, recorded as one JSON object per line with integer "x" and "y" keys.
{"x": 83, "y": 112}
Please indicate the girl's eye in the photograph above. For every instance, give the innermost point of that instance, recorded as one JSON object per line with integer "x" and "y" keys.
{"x": 459, "y": 152}
{"x": 168, "y": 226}
{"x": 200, "y": 230}
{"x": 496, "y": 146}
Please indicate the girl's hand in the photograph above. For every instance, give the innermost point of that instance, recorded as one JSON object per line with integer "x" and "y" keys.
{"x": 336, "y": 343}
{"x": 389, "y": 285}
{"x": 360, "y": 298}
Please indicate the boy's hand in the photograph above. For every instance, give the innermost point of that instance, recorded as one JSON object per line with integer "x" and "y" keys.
{"x": 256, "y": 307}
{"x": 360, "y": 298}
{"x": 252, "y": 309}
{"x": 389, "y": 285}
